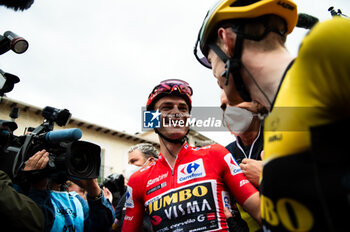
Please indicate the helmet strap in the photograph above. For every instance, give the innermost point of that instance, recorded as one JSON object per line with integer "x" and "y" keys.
{"x": 233, "y": 65}
{"x": 176, "y": 141}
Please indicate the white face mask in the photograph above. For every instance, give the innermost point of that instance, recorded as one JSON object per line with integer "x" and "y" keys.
{"x": 131, "y": 169}
{"x": 237, "y": 120}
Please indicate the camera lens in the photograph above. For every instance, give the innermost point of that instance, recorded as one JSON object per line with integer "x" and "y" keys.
{"x": 79, "y": 162}
{"x": 20, "y": 46}
{"x": 17, "y": 43}
{"x": 84, "y": 160}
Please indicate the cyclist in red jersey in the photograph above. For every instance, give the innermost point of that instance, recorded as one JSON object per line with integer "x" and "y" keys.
{"x": 187, "y": 188}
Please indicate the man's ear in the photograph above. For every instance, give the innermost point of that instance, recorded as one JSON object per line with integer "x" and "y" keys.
{"x": 227, "y": 40}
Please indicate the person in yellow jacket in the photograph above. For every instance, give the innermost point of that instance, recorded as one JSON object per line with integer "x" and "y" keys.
{"x": 306, "y": 167}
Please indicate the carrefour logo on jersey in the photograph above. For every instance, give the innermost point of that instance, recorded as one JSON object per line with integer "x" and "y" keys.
{"x": 190, "y": 171}
{"x": 233, "y": 165}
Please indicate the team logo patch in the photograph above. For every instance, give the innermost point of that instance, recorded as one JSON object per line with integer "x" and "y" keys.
{"x": 129, "y": 203}
{"x": 232, "y": 164}
{"x": 190, "y": 171}
{"x": 243, "y": 182}
{"x": 156, "y": 220}
{"x": 158, "y": 178}
{"x": 192, "y": 207}
{"x": 162, "y": 185}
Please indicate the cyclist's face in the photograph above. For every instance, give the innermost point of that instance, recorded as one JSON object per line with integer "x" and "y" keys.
{"x": 174, "y": 114}
{"x": 218, "y": 67}
{"x": 253, "y": 106}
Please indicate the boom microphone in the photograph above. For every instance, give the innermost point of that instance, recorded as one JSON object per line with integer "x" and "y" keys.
{"x": 65, "y": 135}
{"x": 17, "y": 4}
{"x": 306, "y": 21}
{"x": 17, "y": 44}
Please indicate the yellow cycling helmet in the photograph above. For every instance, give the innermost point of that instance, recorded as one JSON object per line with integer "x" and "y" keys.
{"x": 245, "y": 9}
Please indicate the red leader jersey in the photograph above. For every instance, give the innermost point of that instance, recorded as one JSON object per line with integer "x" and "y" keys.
{"x": 190, "y": 197}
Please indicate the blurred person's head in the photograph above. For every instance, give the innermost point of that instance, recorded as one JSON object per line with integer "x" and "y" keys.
{"x": 140, "y": 155}
{"x": 71, "y": 186}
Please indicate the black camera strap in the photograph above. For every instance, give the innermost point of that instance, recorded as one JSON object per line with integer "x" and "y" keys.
{"x": 18, "y": 163}
{"x": 233, "y": 66}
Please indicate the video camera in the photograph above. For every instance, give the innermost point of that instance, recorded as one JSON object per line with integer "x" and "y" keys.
{"x": 115, "y": 184}
{"x": 10, "y": 41}
{"x": 67, "y": 155}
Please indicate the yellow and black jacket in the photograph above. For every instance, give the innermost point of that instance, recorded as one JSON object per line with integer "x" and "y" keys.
{"x": 305, "y": 184}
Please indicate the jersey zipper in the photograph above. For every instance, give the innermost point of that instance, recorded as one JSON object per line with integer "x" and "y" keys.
{"x": 172, "y": 171}
{"x": 251, "y": 148}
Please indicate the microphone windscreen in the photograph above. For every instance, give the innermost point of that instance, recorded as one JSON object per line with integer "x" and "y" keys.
{"x": 306, "y": 21}
{"x": 17, "y": 5}
{"x": 65, "y": 135}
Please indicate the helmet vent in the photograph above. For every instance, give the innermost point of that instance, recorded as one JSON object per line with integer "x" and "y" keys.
{"x": 243, "y": 3}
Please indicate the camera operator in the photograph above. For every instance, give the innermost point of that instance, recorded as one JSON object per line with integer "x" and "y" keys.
{"x": 71, "y": 211}
{"x": 17, "y": 210}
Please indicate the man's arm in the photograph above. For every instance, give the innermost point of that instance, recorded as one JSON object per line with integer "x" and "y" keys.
{"x": 101, "y": 212}
{"x": 243, "y": 191}
{"x": 252, "y": 206}
{"x": 39, "y": 191}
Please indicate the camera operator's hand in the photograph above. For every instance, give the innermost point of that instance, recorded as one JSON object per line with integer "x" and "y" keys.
{"x": 37, "y": 162}
{"x": 108, "y": 194}
{"x": 90, "y": 185}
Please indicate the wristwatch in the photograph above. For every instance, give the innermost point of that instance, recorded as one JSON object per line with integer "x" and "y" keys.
{"x": 95, "y": 198}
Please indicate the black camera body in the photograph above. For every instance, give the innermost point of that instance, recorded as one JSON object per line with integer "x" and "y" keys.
{"x": 69, "y": 156}
{"x": 115, "y": 184}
